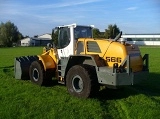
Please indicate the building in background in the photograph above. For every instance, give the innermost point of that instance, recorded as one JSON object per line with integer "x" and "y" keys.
{"x": 41, "y": 40}
{"x": 138, "y": 39}
{"x": 142, "y": 39}
{"x": 25, "y": 42}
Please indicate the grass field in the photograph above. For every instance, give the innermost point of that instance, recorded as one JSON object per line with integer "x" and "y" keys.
{"x": 21, "y": 99}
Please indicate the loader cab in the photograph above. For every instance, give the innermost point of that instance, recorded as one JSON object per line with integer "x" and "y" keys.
{"x": 68, "y": 35}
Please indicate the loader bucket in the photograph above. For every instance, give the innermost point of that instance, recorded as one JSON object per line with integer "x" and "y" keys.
{"x": 21, "y": 66}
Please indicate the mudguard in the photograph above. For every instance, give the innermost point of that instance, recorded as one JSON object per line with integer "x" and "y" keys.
{"x": 47, "y": 61}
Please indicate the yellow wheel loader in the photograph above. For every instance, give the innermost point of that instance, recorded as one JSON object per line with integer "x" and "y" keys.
{"x": 83, "y": 63}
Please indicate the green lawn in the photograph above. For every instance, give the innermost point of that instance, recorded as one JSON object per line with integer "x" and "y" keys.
{"x": 21, "y": 99}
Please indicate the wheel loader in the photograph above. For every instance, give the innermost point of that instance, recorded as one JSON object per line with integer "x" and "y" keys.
{"x": 83, "y": 63}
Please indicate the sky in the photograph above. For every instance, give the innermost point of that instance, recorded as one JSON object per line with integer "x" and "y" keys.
{"x": 37, "y": 17}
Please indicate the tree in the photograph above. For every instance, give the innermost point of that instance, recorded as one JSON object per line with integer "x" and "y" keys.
{"x": 96, "y": 33}
{"x": 9, "y": 34}
{"x": 35, "y": 36}
{"x": 112, "y": 31}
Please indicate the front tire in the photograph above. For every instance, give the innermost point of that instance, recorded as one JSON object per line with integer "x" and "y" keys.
{"x": 81, "y": 81}
{"x": 36, "y": 73}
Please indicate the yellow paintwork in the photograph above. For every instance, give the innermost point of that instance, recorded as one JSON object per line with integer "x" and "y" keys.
{"x": 49, "y": 58}
{"x": 136, "y": 61}
{"x": 112, "y": 49}
{"x": 115, "y": 50}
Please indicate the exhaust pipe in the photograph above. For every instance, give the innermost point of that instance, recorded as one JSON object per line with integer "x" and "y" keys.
{"x": 21, "y": 66}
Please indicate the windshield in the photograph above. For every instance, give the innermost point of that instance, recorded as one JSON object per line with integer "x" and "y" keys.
{"x": 82, "y": 32}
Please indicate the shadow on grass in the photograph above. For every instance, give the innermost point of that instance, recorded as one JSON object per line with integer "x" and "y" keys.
{"x": 52, "y": 83}
{"x": 6, "y": 67}
{"x": 149, "y": 87}
{"x": 7, "y": 70}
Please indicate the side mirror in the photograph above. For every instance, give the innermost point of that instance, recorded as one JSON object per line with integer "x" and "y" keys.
{"x": 49, "y": 45}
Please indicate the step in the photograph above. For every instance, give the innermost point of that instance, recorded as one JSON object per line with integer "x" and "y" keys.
{"x": 61, "y": 82}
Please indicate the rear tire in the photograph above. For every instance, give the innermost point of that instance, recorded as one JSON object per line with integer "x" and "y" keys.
{"x": 36, "y": 73}
{"x": 82, "y": 81}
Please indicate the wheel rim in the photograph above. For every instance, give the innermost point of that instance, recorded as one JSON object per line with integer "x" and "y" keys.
{"x": 35, "y": 74}
{"x": 77, "y": 83}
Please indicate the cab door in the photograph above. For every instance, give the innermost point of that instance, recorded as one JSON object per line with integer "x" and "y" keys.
{"x": 65, "y": 44}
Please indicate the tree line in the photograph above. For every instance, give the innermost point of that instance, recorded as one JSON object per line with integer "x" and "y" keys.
{"x": 110, "y": 33}
{"x": 10, "y": 35}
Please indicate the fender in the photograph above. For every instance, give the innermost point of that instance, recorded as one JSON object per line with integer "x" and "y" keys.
{"x": 93, "y": 60}
{"x": 47, "y": 61}
{"x": 49, "y": 58}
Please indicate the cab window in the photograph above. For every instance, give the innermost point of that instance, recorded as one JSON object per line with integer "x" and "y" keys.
{"x": 64, "y": 37}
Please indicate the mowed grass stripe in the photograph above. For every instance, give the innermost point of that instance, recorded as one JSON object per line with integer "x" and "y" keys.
{"x": 22, "y": 99}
